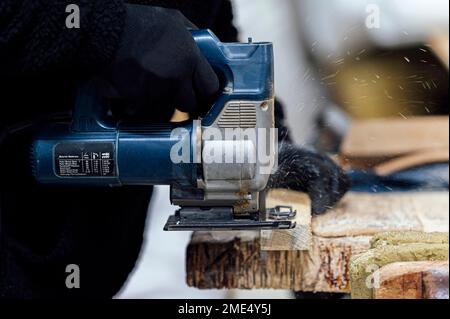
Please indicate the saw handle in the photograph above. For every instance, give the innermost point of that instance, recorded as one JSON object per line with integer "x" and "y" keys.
{"x": 245, "y": 71}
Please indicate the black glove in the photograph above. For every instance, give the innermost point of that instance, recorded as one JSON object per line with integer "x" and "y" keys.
{"x": 312, "y": 173}
{"x": 159, "y": 67}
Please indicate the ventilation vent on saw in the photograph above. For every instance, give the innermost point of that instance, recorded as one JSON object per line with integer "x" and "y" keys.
{"x": 238, "y": 115}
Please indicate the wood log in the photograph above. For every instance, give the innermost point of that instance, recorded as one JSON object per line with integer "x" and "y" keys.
{"x": 363, "y": 266}
{"x": 413, "y": 280}
{"x": 298, "y": 238}
{"x": 235, "y": 259}
{"x": 391, "y": 247}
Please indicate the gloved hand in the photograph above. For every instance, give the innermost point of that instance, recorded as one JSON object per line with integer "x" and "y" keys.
{"x": 158, "y": 67}
{"x": 312, "y": 173}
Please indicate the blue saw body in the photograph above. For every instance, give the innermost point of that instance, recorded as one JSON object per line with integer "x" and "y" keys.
{"x": 72, "y": 153}
{"x": 94, "y": 150}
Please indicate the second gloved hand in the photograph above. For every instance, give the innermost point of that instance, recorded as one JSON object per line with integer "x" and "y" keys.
{"x": 158, "y": 67}
{"x": 312, "y": 173}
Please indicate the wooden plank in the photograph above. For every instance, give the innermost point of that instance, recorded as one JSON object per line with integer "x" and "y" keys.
{"x": 413, "y": 160}
{"x": 440, "y": 45}
{"x": 298, "y": 238}
{"x": 364, "y": 214}
{"x": 235, "y": 259}
{"x": 413, "y": 280}
{"x": 396, "y": 136}
{"x": 371, "y": 142}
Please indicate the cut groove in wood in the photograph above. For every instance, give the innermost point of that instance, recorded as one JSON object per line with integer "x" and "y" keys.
{"x": 298, "y": 238}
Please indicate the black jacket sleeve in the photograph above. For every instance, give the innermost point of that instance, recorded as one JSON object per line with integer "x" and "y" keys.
{"x": 34, "y": 37}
